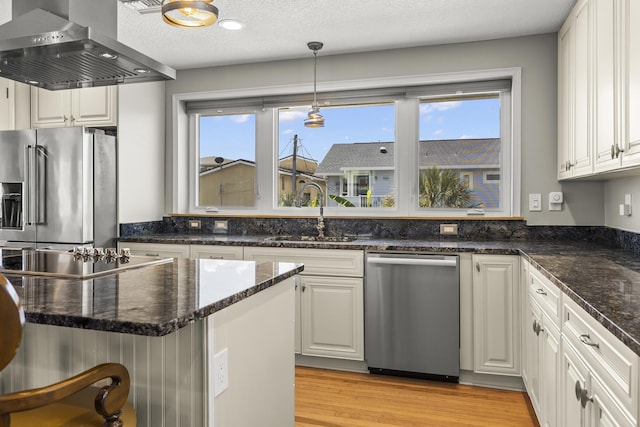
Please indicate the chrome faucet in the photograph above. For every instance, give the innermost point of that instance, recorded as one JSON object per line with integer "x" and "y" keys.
{"x": 320, "y": 226}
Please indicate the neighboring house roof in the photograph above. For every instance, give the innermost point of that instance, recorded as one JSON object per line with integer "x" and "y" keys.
{"x": 360, "y": 155}
{"x": 227, "y": 164}
{"x": 452, "y": 153}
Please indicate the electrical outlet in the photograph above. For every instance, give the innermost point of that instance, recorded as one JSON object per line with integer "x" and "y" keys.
{"x": 450, "y": 229}
{"x": 195, "y": 223}
{"x": 220, "y": 371}
{"x": 220, "y": 226}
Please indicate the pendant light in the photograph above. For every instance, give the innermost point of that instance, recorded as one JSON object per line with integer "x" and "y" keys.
{"x": 314, "y": 119}
{"x": 189, "y": 13}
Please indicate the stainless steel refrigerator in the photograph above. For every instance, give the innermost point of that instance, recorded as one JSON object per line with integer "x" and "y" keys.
{"x": 58, "y": 188}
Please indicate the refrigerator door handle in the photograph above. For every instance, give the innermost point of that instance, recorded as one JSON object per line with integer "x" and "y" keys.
{"x": 29, "y": 184}
{"x": 40, "y": 158}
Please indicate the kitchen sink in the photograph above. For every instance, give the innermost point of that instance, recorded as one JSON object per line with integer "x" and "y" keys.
{"x": 311, "y": 238}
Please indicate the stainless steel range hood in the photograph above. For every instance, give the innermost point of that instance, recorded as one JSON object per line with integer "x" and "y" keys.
{"x": 66, "y": 44}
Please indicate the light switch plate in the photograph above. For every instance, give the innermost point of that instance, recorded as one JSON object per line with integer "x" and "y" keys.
{"x": 535, "y": 202}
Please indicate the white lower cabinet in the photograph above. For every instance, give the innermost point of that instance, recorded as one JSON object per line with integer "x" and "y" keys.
{"x": 331, "y": 313}
{"x": 496, "y": 314}
{"x": 330, "y": 299}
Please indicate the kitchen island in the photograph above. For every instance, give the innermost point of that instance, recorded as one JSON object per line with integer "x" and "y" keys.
{"x": 168, "y": 323}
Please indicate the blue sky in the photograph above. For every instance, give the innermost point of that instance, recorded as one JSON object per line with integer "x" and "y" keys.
{"x": 233, "y": 136}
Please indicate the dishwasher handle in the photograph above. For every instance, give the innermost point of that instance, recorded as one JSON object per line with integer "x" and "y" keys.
{"x": 434, "y": 262}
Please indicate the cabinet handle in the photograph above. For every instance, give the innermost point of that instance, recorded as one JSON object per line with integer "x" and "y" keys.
{"x": 152, "y": 254}
{"x": 541, "y": 292}
{"x": 215, "y": 257}
{"x": 568, "y": 165}
{"x": 304, "y": 287}
{"x": 618, "y": 150}
{"x": 65, "y": 118}
{"x": 478, "y": 266}
{"x": 537, "y": 328}
{"x": 73, "y": 119}
{"x": 586, "y": 339}
{"x": 582, "y": 395}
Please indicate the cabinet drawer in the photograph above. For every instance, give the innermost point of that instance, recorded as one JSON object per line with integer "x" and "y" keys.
{"x": 546, "y": 294}
{"x": 610, "y": 360}
{"x": 161, "y": 250}
{"x": 216, "y": 252}
{"x": 317, "y": 262}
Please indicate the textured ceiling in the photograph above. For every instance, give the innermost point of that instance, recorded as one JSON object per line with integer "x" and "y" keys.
{"x": 280, "y": 29}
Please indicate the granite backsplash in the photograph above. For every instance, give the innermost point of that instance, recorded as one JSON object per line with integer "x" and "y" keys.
{"x": 396, "y": 228}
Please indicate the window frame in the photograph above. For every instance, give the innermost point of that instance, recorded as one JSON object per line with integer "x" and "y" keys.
{"x": 181, "y": 189}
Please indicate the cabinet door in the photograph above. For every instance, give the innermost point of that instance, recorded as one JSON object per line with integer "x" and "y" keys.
{"x": 50, "y": 108}
{"x": 565, "y": 94}
{"x": 95, "y": 106}
{"x": 216, "y": 252}
{"x": 631, "y": 34}
{"x": 496, "y": 312}
{"x": 549, "y": 339}
{"x": 7, "y": 104}
{"x": 582, "y": 158}
{"x": 332, "y": 317}
{"x": 605, "y": 412}
{"x": 531, "y": 356}
{"x": 161, "y": 250}
{"x": 574, "y": 377}
{"x": 606, "y": 130}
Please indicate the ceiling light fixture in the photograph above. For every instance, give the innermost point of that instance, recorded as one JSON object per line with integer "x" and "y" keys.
{"x": 314, "y": 119}
{"x": 189, "y": 13}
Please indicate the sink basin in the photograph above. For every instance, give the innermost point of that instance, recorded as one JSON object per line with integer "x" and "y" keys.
{"x": 311, "y": 238}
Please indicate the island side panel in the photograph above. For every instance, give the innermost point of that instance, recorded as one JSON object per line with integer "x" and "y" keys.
{"x": 258, "y": 334}
{"x": 167, "y": 373}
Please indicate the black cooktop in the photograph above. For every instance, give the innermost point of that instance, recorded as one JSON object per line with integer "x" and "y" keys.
{"x": 68, "y": 264}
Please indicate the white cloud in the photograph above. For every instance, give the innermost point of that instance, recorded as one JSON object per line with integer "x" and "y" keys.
{"x": 241, "y": 118}
{"x": 430, "y": 107}
{"x": 289, "y": 116}
{"x": 387, "y": 130}
{"x": 466, "y": 137}
{"x": 287, "y": 132}
{"x": 438, "y": 132}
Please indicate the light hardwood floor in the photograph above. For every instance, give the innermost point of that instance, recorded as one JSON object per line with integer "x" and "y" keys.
{"x": 344, "y": 399}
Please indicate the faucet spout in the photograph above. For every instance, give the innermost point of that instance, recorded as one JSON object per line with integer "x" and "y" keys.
{"x": 320, "y": 226}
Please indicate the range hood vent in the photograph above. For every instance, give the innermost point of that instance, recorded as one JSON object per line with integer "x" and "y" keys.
{"x": 46, "y": 48}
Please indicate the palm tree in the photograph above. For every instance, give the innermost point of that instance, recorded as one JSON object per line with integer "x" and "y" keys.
{"x": 443, "y": 188}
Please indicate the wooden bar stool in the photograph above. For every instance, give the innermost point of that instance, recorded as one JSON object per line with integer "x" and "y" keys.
{"x": 72, "y": 402}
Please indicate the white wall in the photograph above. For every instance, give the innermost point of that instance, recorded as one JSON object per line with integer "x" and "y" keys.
{"x": 536, "y": 55}
{"x": 141, "y": 152}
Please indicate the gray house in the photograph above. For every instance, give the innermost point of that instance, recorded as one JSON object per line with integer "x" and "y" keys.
{"x": 363, "y": 173}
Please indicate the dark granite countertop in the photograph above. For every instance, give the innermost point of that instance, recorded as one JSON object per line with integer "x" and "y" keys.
{"x": 603, "y": 281}
{"x": 153, "y": 300}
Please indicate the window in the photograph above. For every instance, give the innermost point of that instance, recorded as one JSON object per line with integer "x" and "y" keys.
{"x": 226, "y": 159}
{"x": 386, "y": 151}
{"x": 356, "y": 143}
{"x": 460, "y": 144}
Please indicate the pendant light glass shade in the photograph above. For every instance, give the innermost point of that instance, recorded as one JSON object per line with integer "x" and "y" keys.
{"x": 314, "y": 119}
{"x": 189, "y": 13}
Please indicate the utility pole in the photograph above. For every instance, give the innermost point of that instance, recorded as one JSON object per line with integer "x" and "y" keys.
{"x": 293, "y": 167}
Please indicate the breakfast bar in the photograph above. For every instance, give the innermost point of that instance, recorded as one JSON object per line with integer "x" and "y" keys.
{"x": 168, "y": 321}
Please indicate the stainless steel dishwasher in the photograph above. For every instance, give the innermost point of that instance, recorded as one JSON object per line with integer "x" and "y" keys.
{"x": 412, "y": 315}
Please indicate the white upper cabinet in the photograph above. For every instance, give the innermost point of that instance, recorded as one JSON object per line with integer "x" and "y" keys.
{"x": 7, "y": 105}
{"x": 574, "y": 78}
{"x": 96, "y": 106}
{"x": 599, "y": 89}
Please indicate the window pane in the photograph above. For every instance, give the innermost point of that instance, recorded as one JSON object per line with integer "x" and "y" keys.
{"x": 227, "y": 152}
{"x": 351, "y": 158}
{"x": 460, "y": 152}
